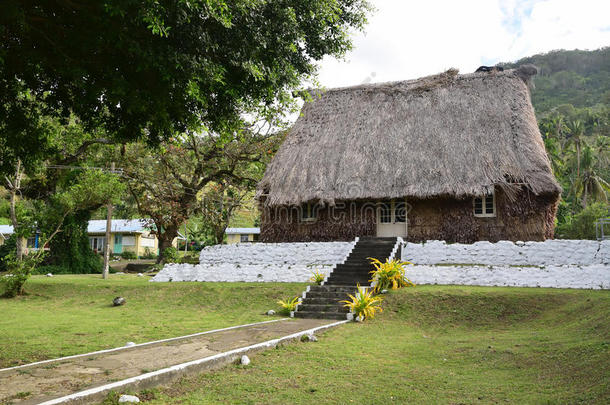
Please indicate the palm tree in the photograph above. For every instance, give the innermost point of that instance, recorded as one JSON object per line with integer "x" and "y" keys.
{"x": 590, "y": 183}
{"x": 553, "y": 151}
{"x": 576, "y": 131}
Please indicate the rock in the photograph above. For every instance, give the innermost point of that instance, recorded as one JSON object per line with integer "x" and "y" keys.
{"x": 118, "y": 301}
{"x": 245, "y": 360}
{"x": 359, "y": 318}
{"x": 128, "y": 398}
{"x": 129, "y": 344}
{"x": 350, "y": 316}
{"x": 49, "y": 275}
{"x": 309, "y": 338}
{"x": 140, "y": 275}
{"x": 271, "y": 312}
{"x": 384, "y": 291}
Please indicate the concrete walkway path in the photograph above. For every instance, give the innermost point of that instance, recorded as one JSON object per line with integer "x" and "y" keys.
{"x": 146, "y": 364}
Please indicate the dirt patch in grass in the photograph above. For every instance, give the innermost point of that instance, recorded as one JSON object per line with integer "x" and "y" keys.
{"x": 44, "y": 383}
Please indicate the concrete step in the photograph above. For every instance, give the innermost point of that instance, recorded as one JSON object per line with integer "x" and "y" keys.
{"x": 327, "y": 295}
{"x": 363, "y": 282}
{"x": 322, "y": 300}
{"x": 323, "y": 308}
{"x": 320, "y": 315}
{"x": 350, "y": 274}
{"x": 332, "y": 288}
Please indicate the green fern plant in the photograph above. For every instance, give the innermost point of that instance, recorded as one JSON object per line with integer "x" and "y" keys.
{"x": 389, "y": 275}
{"x": 289, "y": 305}
{"x": 363, "y": 304}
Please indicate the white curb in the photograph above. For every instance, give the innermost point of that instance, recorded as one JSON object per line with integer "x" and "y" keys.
{"x": 139, "y": 345}
{"x": 180, "y": 367}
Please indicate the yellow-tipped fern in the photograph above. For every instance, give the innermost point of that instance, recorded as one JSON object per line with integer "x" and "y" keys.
{"x": 317, "y": 277}
{"x": 289, "y": 305}
{"x": 364, "y": 304}
{"x": 389, "y": 275}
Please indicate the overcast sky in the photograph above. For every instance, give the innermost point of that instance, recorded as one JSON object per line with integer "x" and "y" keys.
{"x": 407, "y": 39}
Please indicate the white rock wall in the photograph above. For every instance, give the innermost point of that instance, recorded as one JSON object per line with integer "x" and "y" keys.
{"x": 260, "y": 262}
{"x": 550, "y": 252}
{"x": 596, "y": 276}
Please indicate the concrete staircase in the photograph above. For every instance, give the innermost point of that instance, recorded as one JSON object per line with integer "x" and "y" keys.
{"x": 323, "y": 301}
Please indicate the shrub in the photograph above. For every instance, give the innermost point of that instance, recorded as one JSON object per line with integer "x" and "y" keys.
{"x": 129, "y": 255}
{"x": 582, "y": 225}
{"x": 9, "y": 246}
{"x": 148, "y": 254}
{"x": 317, "y": 277}
{"x": 18, "y": 272}
{"x": 364, "y": 304}
{"x": 389, "y": 275}
{"x": 190, "y": 259}
{"x": 170, "y": 255}
{"x": 289, "y": 305}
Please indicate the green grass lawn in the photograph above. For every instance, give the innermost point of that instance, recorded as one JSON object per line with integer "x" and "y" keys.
{"x": 432, "y": 344}
{"x": 70, "y": 314}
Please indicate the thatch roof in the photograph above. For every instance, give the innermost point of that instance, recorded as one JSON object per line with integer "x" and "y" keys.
{"x": 443, "y": 135}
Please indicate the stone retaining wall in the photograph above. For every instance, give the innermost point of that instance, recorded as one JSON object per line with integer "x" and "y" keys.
{"x": 260, "y": 262}
{"x": 550, "y": 252}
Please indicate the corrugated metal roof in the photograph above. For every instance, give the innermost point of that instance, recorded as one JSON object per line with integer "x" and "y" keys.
{"x": 233, "y": 231}
{"x": 99, "y": 226}
{"x": 6, "y": 229}
{"x": 118, "y": 226}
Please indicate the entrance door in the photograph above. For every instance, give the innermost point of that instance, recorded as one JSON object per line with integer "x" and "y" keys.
{"x": 392, "y": 218}
{"x": 118, "y": 244}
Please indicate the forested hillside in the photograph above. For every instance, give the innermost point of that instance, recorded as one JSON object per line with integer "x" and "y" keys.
{"x": 571, "y": 96}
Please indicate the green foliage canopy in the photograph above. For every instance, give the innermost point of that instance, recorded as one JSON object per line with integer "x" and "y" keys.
{"x": 151, "y": 69}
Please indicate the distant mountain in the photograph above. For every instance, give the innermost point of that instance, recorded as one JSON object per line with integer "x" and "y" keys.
{"x": 579, "y": 78}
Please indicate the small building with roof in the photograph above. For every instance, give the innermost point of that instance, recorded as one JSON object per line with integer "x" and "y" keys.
{"x": 242, "y": 235}
{"x": 126, "y": 235}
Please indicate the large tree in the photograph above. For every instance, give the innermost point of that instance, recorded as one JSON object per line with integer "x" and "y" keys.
{"x": 151, "y": 69}
{"x": 167, "y": 182}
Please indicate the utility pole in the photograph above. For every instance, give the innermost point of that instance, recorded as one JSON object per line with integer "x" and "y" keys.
{"x": 186, "y": 239}
{"x": 108, "y": 228}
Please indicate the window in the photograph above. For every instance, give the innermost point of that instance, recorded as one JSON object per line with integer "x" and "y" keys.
{"x": 400, "y": 212}
{"x": 32, "y": 242}
{"x": 243, "y": 238}
{"x": 485, "y": 206}
{"x": 385, "y": 213}
{"x": 308, "y": 212}
{"x": 97, "y": 244}
{"x": 392, "y": 212}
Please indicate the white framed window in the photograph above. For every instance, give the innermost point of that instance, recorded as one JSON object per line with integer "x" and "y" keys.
{"x": 385, "y": 213}
{"x": 243, "y": 238}
{"x": 400, "y": 211}
{"x": 484, "y": 206}
{"x": 97, "y": 243}
{"x": 308, "y": 212}
{"x": 392, "y": 212}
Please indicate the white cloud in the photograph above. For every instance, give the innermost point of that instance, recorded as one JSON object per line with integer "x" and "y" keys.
{"x": 408, "y": 39}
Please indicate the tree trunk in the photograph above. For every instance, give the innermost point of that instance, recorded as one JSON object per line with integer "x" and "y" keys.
{"x": 166, "y": 237}
{"x": 578, "y": 159}
{"x": 14, "y": 189}
{"x": 584, "y": 196}
{"x": 219, "y": 234}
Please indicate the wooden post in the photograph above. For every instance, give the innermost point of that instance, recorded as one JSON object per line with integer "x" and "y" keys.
{"x": 14, "y": 188}
{"x": 108, "y": 229}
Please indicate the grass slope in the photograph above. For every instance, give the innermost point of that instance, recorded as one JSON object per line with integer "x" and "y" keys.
{"x": 70, "y": 314}
{"x": 432, "y": 344}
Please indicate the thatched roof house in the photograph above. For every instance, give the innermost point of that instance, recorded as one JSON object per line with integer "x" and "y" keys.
{"x": 453, "y": 157}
